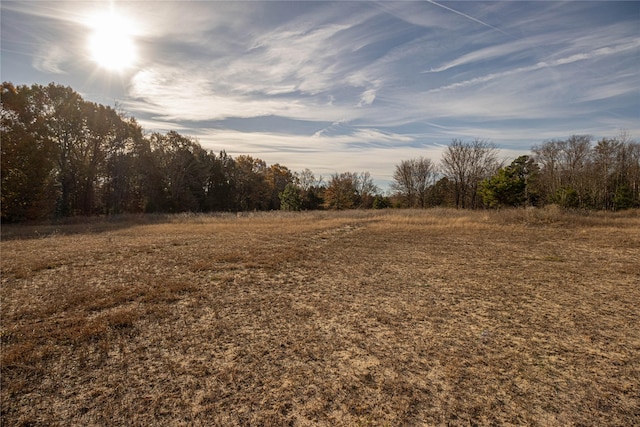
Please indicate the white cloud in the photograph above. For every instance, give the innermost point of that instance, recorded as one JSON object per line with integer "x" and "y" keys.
{"x": 190, "y": 95}
{"x": 322, "y": 153}
{"x": 51, "y": 58}
{"x": 367, "y": 97}
{"x": 352, "y": 139}
{"x": 325, "y": 154}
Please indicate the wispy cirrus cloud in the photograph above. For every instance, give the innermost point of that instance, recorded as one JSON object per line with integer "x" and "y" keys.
{"x": 324, "y": 152}
{"x": 300, "y": 69}
{"x": 316, "y": 66}
{"x": 189, "y": 95}
{"x": 51, "y": 59}
{"x": 626, "y": 45}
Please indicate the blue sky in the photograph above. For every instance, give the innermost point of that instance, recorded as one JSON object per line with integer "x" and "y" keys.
{"x": 346, "y": 86}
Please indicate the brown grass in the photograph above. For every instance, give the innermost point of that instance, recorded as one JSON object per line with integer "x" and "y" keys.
{"x": 434, "y": 317}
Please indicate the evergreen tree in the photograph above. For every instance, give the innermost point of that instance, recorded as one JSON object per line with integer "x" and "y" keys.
{"x": 513, "y": 185}
{"x": 290, "y": 198}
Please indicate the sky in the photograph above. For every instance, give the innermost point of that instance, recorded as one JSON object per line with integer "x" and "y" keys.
{"x": 340, "y": 86}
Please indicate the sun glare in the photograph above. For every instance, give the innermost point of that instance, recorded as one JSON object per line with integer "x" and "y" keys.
{"x": 111, "y": 44}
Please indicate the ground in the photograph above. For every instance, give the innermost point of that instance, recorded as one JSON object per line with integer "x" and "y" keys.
{"x": 435, "y": 317}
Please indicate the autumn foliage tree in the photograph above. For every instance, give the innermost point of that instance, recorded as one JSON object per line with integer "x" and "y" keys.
{"x": 27, "y": 157}
{"x": 64, "y": 156}
{"x": 341, "y": 191}
{"x": 349, "y": 190}
{"x": 60, "y": 144}
{"x": 278, "y": 177}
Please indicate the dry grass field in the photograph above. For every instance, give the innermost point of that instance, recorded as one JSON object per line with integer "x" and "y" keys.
{"x": 394, "y": 318}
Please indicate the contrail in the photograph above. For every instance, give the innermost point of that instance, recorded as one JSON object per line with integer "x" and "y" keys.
{"x": 469, "y": 17}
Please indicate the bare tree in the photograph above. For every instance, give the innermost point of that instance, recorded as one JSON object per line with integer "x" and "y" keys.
{"x": 576, "y": 151}
{"x": 627, "y": 173}
{"x": 404, "y": 182}
{"x": 366, "y": 189}
{"x": 306, "y": 179}
{"x": 467, "y": 164}
{"x": 603, "y": 167}
{"x": 565, "y": 165}
{"x": 312, "y": 189}
{"x": 412, "y": 180}
{"x": 548, "y": 157}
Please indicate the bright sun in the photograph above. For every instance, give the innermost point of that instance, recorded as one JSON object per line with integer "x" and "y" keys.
{"x": 111, "y": 43}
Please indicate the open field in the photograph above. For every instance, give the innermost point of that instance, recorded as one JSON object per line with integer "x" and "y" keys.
{"x": 436, "y": 317}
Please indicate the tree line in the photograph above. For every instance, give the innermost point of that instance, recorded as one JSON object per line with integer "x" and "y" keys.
{"x": 572, "y": 173}
{"x": 63, "y": 156}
